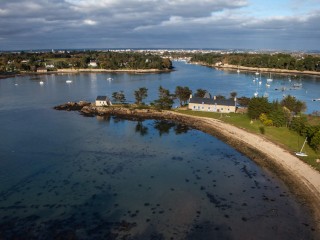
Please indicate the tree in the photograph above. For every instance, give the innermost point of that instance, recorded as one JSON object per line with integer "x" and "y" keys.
{"x": 220, "y": 97}
{"x": 294, "y": 105}
{"x": 315, "y": 141}
{"x": 183, "y": 94}
{"x": 257, "y": 106}
{"x": 119, "y": 97}
{"x": 200, "y": 93}
{"x": 233, "y": 94}
{"x": 140, "y": 94}
{"x": 244, "y": 101}
{"x": 165, "y": 100}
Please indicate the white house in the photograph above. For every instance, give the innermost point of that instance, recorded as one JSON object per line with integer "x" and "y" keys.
{"x": 92, "y": 64}
{"x": 212, "y": 104}
{"x": 103, "y": 101}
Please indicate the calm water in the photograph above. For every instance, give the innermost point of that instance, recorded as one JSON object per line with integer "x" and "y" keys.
{"x": 64, "y": 175}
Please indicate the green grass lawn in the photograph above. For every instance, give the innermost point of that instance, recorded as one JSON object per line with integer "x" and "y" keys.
{"x": 282, "y": 136}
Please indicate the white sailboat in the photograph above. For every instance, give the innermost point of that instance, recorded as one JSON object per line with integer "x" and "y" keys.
{"x": 270, "y": 78}
{"x": 302, "y": 154}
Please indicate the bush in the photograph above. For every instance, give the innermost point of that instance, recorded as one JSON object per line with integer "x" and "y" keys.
{"x": 262, "y": 130}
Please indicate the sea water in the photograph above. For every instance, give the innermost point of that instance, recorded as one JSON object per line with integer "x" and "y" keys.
{"x": 66, "y": 176}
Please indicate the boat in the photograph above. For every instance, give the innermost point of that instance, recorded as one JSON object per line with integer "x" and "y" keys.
{"x": 238, "y": 71}
{"x": 41, "y": 82}
{"x": 316, "y": 99}
{"x": 109, "y": 79}
{"x": 297, "y": 85}
{"x": 269, "y": 79}
{"x": 69, "y": 81}
{"x": 257, "y": 73}
{"x": 302, "y": 154}
{"x": 267, "y": 85}
{"x": 256, "y": 94}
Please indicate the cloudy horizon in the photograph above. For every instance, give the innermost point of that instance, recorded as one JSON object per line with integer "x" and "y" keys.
{"x": 236, "y": 24}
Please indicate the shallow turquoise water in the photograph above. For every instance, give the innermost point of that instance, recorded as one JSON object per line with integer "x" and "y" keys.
{"x": 65, "y": 175}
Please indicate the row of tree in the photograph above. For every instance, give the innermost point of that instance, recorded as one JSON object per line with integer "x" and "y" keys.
{"x": 285, "y": 113}
{"x": 280, "y": 60}
{"x": 15, "y": 62}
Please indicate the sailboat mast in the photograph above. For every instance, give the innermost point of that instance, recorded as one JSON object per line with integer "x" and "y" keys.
{"x": 303, "y": 144}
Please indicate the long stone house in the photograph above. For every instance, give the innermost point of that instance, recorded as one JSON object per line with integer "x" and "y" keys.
{"x": 212, "y": 104}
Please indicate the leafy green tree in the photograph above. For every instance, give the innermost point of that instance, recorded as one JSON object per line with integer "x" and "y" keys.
{"x": 233, "y": 94}
{"x": 200, "y": 93}
{"x": 183, "y": 94}
{"x": 165, "y": 100}
{"x": 244, "y": 101}
{"x": 140, "y": 94}
{"x": 220, "y": 97}
{"x": 257, "y": 106}
{"x": 315, "y": 141}
{"x": 298, "y": 123}
{"x": 119, "y": 97}
{"x": 294, "y": 105}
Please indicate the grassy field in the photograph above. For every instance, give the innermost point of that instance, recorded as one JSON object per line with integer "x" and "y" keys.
{"x": 282, "y": 136}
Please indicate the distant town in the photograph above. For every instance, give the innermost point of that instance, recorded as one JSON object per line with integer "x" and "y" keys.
{"x": 42, "y": 61}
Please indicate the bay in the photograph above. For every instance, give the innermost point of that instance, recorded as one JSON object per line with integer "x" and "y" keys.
{"x": 65, "y": 175}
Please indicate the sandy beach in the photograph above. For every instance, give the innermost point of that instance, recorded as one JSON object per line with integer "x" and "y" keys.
{"x": 302, "y": 179}
{"x": 264, "y": 70}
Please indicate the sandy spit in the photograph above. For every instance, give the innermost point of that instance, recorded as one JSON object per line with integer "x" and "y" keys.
{"x": 264, "y": 70}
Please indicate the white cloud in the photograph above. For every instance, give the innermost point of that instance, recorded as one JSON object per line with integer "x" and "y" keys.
{"x": 158, "y": 22}
{"x": 89, "y": 22}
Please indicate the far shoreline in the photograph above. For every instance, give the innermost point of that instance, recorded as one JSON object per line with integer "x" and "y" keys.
{"x": 85, "y": 70}
{"x": 302, "y": 180}
{"x": 258, "y": 69}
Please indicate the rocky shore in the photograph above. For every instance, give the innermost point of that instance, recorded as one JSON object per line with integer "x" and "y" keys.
{"x": 303, "y": 180}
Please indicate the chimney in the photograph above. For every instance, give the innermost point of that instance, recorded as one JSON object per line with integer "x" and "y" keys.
{"x": 190, "y": 96}
{"x": 214, "y": 98}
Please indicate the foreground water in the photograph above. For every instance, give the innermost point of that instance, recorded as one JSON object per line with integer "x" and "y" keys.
{"x": 66, "y": 176}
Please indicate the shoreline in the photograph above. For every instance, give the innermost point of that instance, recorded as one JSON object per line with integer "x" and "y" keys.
{"x": 302, "y": 180}
{"x": 259, "y": 69}
{"x": 85, "y": 70}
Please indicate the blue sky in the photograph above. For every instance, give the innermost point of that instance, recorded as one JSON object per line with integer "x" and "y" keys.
{"x": 259, "y": 24}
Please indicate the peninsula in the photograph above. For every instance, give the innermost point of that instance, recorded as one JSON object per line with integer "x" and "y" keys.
{"x": 303, "y": 180}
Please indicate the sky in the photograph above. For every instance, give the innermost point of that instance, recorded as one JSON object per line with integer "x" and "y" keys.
{"x": 222, "y": 24}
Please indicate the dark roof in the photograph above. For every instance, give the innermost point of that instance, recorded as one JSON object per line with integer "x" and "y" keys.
{"x": 102, "y": 98}
{"x": 211, "y": 101}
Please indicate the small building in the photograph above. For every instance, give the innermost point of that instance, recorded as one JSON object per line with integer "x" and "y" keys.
{"x": 103, "y": 101}
{"x": 212, "y": 104}
{"x": 42, "y": 70}
{"x": 92, "y": 64}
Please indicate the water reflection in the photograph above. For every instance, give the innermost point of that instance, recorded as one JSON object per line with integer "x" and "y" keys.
{"x": 140, "y": 128}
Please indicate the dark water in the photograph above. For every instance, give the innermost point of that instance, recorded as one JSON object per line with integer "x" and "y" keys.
{"x": 64, "y": 176}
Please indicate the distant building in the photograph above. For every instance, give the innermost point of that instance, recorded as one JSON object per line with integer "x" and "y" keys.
{"x": 50, "y": 65}
{"x": 103, "y": 101}
{"x": 92, "y": 64}
{"x": 212, "y": 104}
{"x": 42, "y": 70}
